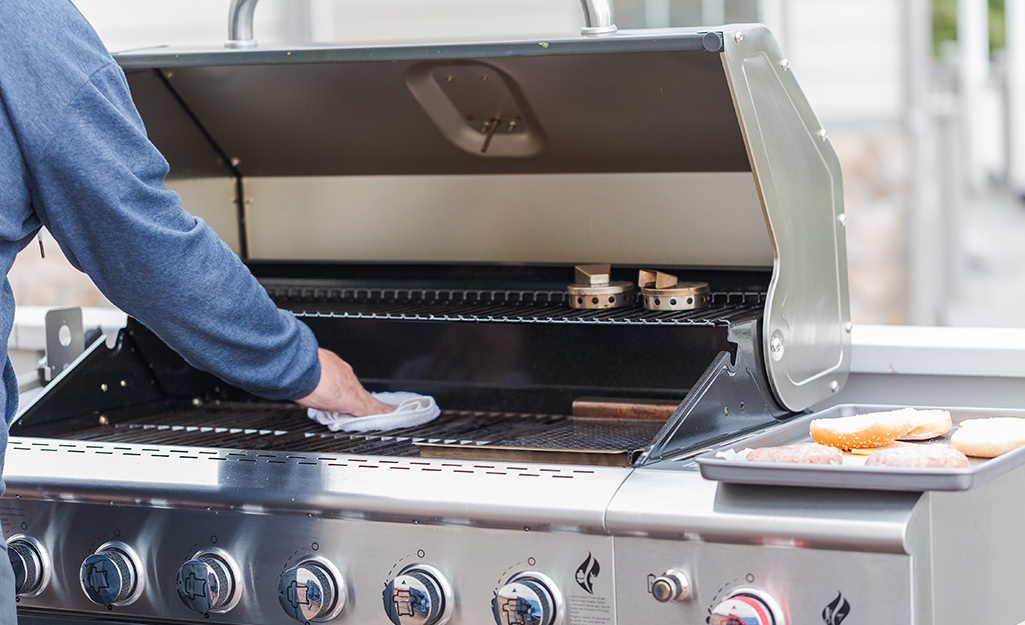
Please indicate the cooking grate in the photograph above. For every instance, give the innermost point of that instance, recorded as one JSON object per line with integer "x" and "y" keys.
{"x": 280, "y": 427}
{"x": 496, "y": 305}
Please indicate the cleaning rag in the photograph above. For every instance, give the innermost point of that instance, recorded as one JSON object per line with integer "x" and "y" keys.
{"x": 411, "y": 410}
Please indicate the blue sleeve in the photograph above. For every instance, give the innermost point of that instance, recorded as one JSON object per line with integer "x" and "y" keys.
{"x": 97, "y": 185}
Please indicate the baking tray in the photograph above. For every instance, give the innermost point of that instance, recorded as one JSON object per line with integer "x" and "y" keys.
{"x": 851, "y": 475}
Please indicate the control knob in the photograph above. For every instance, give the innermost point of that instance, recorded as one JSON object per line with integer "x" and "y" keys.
{"x": 748, "y": 605}
{"x": 419, "y": 595}
{"x": 110, "y": 576}
{"x": 528, "y": 598}
{"x": 672, "y": 585}
{"x": 312, "y": 591}
{"x": 30, "y": 563}
{"x": 209, "y": 582}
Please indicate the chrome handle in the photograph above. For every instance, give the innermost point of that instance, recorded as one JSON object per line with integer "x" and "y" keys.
{"x": 597, "y": 21}
{"x": 240, "y": 24}
{"x": 597, "y": 17}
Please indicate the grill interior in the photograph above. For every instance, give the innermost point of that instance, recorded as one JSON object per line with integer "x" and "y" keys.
{"x": 280, "y": 427}
{"x": 482, "y": 305}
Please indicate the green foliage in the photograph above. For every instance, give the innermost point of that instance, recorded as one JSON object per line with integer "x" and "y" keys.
{"x": 944, "y": 23}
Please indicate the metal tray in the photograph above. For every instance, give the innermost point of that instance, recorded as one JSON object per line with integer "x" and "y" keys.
{"x": 855, "y": 476}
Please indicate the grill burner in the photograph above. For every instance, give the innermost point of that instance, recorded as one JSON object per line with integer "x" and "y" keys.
{"x": 287, "y": 428}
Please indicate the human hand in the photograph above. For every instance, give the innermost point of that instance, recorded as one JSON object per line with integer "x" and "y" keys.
{"x": 340, "y": 391}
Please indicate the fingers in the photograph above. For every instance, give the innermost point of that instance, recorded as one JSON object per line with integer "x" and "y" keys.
{"x": 340, "y": 391}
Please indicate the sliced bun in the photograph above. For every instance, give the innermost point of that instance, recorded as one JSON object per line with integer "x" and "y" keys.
{"x": 919, "y": 456}
{"x": 867, "y": 430}
{"x": 931, "y": 424}
{"x": 808, "y": 453}
{"x": 988, "y": 438}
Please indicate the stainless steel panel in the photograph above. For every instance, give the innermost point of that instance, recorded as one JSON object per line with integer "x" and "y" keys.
{"x": 876, "y": 587}
{"x": 477, "y": 561}
{"x": 681, "y": 503}
{"x": 798, "y": 177}
{"x": 428, "y": 491}
{"x": 677, "y": 219}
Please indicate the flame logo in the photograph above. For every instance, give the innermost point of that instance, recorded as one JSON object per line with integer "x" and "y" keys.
{"x": 587, "y": 572}
{"x": 836, "y": 611}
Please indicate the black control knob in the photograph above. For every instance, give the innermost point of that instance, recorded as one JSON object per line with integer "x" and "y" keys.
{"x": 528, "y": 598}
{"x": 419, "y": 595}
{"x": 311, "y": 591}
{"x": 209, "y": 582}
{"x": 30, "y": 563}
{"x": 111, "y": 575}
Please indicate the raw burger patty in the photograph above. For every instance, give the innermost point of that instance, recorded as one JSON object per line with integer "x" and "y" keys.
{"x": 809, "y": 453}
{"x": 919, "y": 456}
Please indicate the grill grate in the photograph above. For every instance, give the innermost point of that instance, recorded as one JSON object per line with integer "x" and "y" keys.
{"x": 496, "y": 306}
{"x": 278, "y": 427}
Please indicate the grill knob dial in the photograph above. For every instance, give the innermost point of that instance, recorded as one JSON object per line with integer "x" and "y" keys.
{"x": 209, "y": 582}
{"x": 111, "y": 575}
{"x": 672, "y": 585}
{"x": 30, "y": 564}
{"x": 748, "y": 605}
{"x": 419, "y": 595}
{"x": 528, "y": 598}
{"x": 312, "y": 591}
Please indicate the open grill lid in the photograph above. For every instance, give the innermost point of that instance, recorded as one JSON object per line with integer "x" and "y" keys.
{"x": 662, "y": 148}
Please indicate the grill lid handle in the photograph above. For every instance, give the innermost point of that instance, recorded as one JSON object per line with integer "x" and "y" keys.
{"x": 597, "y": 21}
{"x": 240, "y": 24}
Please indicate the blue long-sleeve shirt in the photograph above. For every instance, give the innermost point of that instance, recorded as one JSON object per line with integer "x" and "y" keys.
{"x": 74, "y": 157}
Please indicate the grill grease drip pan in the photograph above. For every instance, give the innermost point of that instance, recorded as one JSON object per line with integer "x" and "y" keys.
{"x": 279, "y": 427}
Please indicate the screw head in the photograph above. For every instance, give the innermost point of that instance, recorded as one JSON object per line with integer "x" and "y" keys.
{"x": 823, "y": 135}
{"x": 738, "y": 37}
{"x": 103, "y": 387}
{"x": 842, "y": 219}
{"x": 834, "y": 386}
{"x": 785, "y": 64}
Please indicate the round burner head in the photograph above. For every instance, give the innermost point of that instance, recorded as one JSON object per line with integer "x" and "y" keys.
{"x": 683, "y": 296}
{"x": 598, "y": 297}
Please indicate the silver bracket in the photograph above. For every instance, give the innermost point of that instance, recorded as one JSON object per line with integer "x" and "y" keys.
{"x": 65, "y": 340}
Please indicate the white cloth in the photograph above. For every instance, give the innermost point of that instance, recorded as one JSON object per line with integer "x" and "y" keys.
{"x": 412, "y": 410}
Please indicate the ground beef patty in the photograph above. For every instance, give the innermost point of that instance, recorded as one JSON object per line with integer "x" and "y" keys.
{"x": 919, "y": 456}
{"x": 809, "y": 453}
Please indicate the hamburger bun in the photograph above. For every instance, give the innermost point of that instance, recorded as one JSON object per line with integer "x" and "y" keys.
{"x": 988, "y": 438}
{"x": 931, "y": 424}
{"x": 867, "y": 430}
{"x": 919, "y": 456}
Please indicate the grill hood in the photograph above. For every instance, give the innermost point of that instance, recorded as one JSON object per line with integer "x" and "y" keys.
{"x": 673, "y": 148}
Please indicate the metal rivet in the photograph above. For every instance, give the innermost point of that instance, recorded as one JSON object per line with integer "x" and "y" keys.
{"x": 124, "y": 383}
{"x": 823, "y": 135}
{"x": 169, "y": 75}
{"x": 842, "y": 219}
{"x": 103, "y": 387}
{"x": 785, "y": 64}
{"x": 726, "y": 411}
{"x": 235, "y": 162}
{"x": 776, "y": 345}
{"x": 104, "y": 420}
{"x": 197, "y": 401}
{"x": 738, "y": 37}
{"x": 848, "y": 327}
{"x": 834, "y": 386}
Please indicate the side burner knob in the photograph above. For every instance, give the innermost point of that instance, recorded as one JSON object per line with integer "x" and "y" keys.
{"x": 111, "y": 575}
{"x": 312, "y": 591}
{"x": 672, "y": 585}
{"x": 30, "y": 563}
{"x": 419, "y": 595}
{"x": 528, "y": 598}
{"x": 209, "y": 582}
{"x": 748, "y": 605}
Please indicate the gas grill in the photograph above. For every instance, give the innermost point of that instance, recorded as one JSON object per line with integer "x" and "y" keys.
{"x": 423, "y": 210}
